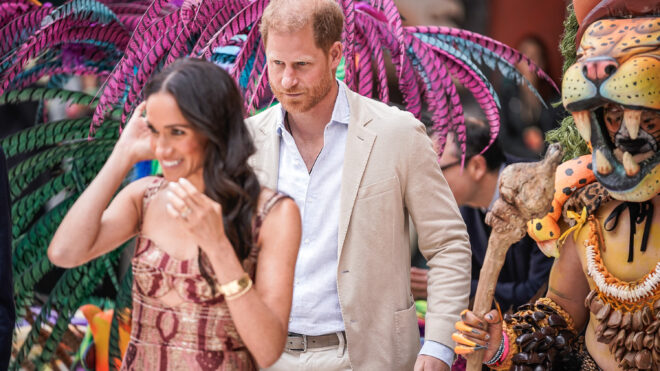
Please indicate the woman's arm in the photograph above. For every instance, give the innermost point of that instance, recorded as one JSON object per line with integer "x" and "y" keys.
{"x": 261, "y": 315}
{"x": 91, "y": 227}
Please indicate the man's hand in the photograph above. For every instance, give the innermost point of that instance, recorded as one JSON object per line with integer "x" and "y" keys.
{"x": 428, "y": 363}
{"x": 418, "y": 282}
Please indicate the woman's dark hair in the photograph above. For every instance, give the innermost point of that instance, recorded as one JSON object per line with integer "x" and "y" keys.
{"x": 210, "y": 100}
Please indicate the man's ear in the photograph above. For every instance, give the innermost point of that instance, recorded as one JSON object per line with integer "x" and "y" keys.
{"x": 477, "y": 167}
{"x": 335, "y": 53}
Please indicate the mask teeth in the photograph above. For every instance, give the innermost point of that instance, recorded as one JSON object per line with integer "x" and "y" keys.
{"x": 629, "y": 164}
{"x": 583, "y": 123}
{"x": 603, "y": 166}
{"x": 631, "y": 119}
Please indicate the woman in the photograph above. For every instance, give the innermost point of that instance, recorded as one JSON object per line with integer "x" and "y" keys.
{"x": 200, "y": 229}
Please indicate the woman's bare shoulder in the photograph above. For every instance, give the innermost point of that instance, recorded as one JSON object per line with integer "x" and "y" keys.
{"x": 284, "y": 206}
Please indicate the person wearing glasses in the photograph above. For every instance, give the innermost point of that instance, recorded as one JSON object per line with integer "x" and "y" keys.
{"x": 526, "y": 269}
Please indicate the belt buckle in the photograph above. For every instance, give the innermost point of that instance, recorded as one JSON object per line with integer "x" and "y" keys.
{"x": 304, "y": 341}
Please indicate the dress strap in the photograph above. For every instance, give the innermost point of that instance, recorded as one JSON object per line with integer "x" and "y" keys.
{"x": 250, "y": 263}
{"x": 149, "y": 194}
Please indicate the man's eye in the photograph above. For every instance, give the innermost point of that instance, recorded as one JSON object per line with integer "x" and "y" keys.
{"x": 152, "y": 130}
{"x": 302, "y": 63}
{"x": 277, "y": 63}
{"x": 177, "y": 132}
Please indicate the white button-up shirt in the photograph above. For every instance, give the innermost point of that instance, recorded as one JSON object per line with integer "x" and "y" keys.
{"x": 315, "y": 309}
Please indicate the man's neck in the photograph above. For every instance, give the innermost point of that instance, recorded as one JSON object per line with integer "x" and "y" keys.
{"x": 488, "y": 185}
{"x": 310, "y": 125}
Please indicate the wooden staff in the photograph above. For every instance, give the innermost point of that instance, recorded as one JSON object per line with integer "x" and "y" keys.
{"x": 526, "y": 192}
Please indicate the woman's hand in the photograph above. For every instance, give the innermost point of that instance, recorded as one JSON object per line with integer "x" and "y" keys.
{"x": 475, "y": 333}
{"x": 136, "y": 136}
{"x": 199, "y": 214}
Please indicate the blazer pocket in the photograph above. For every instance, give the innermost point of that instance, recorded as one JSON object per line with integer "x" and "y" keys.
{"x": 407, "y": 342}
{"x": 379, "y": 187}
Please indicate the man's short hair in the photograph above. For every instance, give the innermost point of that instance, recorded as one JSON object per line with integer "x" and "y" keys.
{"x": 477, "y": 134}
{"x": 325, "y": 16}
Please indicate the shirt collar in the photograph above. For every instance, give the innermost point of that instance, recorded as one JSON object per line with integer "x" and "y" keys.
{"x": 340, "y": 113}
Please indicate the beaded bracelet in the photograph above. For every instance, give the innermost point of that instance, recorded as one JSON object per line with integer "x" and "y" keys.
{"x": 505, "y": 352}
{"x": 498, "y": 355}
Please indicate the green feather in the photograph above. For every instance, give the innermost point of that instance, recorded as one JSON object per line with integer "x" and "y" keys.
{"x": 54, "y": 133}
{"x": 39, "y": 94}
{"x": 26, "y": 208}
{"x": 21, "y": 175}
{"x": 32, "y": 245}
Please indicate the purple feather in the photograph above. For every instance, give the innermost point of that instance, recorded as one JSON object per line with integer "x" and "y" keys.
{"x": 11, "y": 10}
{"x": 253, "y": 38}
{"x": 57, "y": 32}
{"x": 239, "y": 22}
{"x": 222, "y": 14}
{"x": 363, "y": 61}
{"x": 139, "y": 45}
{"x": 148, "y": 66}
{"x": 348, "y": 36}
{"x": 407, "y": 79}
{"x": 377, "y": 51}
{"x": 256, "y": 75}
{"x": 16, "y": 31}
{"x": 56, "y": 70}
{"x": 479, "y": 90}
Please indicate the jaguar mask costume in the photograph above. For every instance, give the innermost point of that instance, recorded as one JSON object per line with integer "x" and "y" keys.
{"x": 604, "y": 223}
{"x": 609, "y": 198}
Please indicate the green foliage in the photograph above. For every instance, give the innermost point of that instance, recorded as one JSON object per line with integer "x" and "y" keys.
{"x": 570, "y": 139}
{"x": 567, "y": 134}
{"x": 567, "y": 43}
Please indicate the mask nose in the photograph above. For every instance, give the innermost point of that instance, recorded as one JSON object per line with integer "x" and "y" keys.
{"x": 600, "y": 69}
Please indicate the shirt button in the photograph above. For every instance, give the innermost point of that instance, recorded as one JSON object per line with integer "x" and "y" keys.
{"x": 306, "y": 240}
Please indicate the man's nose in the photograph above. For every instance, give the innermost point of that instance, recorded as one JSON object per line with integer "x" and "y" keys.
{"x": 288, "y": 79}
{"x": 599, "y": 69}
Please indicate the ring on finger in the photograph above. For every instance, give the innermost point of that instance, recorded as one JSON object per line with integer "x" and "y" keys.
{"x": 184, "y": 214}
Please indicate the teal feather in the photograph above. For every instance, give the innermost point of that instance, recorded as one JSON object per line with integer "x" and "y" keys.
{"x": 482, "y": 55}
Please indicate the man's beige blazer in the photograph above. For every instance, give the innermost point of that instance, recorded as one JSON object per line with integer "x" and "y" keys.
{"x": 390, "y": 171}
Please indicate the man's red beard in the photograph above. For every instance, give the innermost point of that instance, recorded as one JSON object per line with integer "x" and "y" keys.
{"x": 307, "y": 98}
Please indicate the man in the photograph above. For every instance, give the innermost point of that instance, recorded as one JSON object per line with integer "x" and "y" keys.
{"x": 356, "y": 168}
{"x": 525, "y": 269}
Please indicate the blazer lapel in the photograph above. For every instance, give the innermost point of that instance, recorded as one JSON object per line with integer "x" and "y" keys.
{"x": 269, "y": 153}
{"x": 359, "y": 142}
